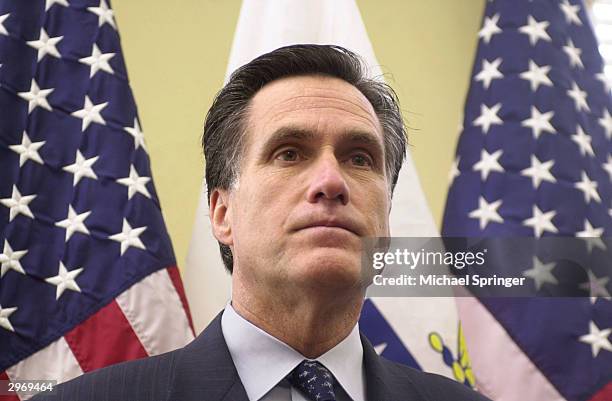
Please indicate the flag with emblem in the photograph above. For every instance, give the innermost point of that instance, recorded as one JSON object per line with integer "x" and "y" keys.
{"x": 88, "y": 275}
{"x": 421, "y": 332}
{"x": 534, "y": 159}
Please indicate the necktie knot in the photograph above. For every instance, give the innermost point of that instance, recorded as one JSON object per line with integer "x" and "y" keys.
{"x": 314, "y": 380}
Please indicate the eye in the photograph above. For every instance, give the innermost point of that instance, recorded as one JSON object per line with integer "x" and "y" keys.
{"x": 288, "y": 155}
{"x": 361, "y": 160}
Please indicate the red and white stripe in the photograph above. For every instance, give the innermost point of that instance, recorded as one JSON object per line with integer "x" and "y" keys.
{"x": 149, "y": 318}
{"x": 493, "y": 354}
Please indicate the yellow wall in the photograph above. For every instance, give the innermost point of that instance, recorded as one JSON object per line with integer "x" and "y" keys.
{"x": 176, "y": 55}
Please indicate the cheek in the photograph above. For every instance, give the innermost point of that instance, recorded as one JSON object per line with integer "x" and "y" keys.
{"x": 261, "y": 208}
{"x": 378, "y": 209}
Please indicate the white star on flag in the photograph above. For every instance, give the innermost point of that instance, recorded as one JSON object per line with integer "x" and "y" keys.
{"x": 129, "y": 237}
{"x": 597, "y": 339}
{"x": 488, "y": 162}
{"x": 583, "y": 141}
{"x": 3, "y": 30}
{"x": 601, "y": 76}
{"x": 9, "y": 259}
{"x": 135, "y": 183}
{"x": 490, "y": 28}
{"x": 588, "y": 187}
{"x": 606, "y": 122}
{"x": 454, "y": 171}
{"x": 49, "y": 3}
{"x": 592, "y": 236}
{"x": 46, "y": 45}
{"x": 539, "y": 122}
{"x": 596, "y": 287}
{"x": 90, "y": 112}
{"x": 537, "y": 75}
{"x": 18, "y": 204}
{"x": 571, "y": 12}
{"x": 541, "y": 222}
{"x": 36, "y": 97}
{"x": 28, "y": 150}
{"x": 488, "y": 116}
{"x": 81, "y": 168}
{"x": 486, "y": 212}
{"x": 535, "y": 30}
{"x": 541, "y": 273}
{"x": 579, "y": 96}
{"x": 98, "y": 61}
{"x": 539, "y": 171}
{"x": 5, "y": 313}
{"x": 489, "y": 72}
{"x": 104, "y": 13}
{"x": 608, "y": 166}
{"x": 74, "y": 223}
{"x": 573, "y": 53}
{"x": 65, "y": 280}
{"x": 137, "y": 134}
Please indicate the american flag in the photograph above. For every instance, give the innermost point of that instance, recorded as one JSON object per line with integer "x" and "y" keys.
{"x": 88, "y": 275}
{"x": 534, "y": 159}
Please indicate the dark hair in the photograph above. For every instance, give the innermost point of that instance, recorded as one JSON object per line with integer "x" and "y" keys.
{"x": 224, "y": 127}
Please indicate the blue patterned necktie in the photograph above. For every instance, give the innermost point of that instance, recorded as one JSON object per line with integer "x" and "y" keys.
{"x": 314, "y": 380}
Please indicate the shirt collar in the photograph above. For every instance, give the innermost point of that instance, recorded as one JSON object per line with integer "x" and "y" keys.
{"x": 252, "y": 349}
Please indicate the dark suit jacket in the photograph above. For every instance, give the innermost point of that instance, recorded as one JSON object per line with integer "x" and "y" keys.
{"x": 204, "y": 371}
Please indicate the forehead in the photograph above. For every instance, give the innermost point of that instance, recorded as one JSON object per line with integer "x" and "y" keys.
{"x": 315, "y": 103}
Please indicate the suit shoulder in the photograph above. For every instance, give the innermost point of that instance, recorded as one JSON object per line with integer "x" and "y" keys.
{"x": 141, "y": 379}
{"x": 430, "y": 385}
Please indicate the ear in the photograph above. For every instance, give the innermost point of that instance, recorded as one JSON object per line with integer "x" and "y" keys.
{"x": 219, "y": 216}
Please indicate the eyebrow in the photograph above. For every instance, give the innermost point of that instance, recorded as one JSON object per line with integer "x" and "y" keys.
{"x": 365, "y": 138}
{"x": 287, "y": 134}
{"x": 298, "y": 134}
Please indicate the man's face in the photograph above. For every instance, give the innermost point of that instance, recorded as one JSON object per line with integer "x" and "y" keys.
{"x": 312, "y": 182}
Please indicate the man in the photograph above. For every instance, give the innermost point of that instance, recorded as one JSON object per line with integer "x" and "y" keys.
{"x": 302, "y": 155}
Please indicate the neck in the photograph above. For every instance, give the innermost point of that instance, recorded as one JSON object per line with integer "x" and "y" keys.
{"x": 312, "y": 324}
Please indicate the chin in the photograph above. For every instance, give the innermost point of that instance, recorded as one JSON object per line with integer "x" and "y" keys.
{"x": 329, "y": 268}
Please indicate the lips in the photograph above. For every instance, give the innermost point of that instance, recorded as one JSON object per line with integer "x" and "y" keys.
{"x": 332, "y": 222}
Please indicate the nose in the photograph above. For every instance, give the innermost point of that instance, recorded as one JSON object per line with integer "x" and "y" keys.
{"x": 328, "y": 182}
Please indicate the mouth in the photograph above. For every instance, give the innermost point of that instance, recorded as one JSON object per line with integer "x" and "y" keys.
{"x": 332, "y": 226}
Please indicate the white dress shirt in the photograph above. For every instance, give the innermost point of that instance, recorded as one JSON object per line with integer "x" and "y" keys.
{"x": 263, "y": 362}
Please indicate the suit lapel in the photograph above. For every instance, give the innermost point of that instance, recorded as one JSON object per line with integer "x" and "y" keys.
{"x": 205, "y": 370}
{"x": 376, "y": 388}
{"x": 383, "y": 379}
